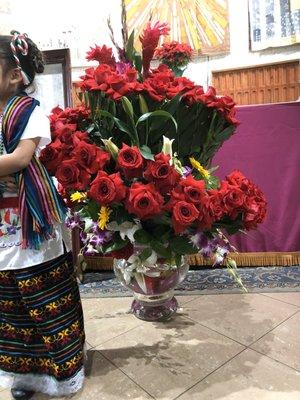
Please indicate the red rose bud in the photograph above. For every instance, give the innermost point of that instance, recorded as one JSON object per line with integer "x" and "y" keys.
{"x": 130, "y": 161}
{"x": 144, "y": 201}
{"x": 184, "y": 214}
{"x": 107, "y": 189}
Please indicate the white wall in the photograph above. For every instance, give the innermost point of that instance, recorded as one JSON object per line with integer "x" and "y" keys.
{"x": 56, "y": 23}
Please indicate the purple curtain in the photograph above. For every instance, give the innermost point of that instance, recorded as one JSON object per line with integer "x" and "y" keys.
{"x": 266, "y": 148}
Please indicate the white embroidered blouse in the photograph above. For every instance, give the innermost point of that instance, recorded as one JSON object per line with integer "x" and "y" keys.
{"x": 12, "y": 256}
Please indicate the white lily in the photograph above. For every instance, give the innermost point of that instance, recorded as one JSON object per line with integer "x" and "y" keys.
{"x": 167, "y": 147}
{"x": 141, "y": 266}
{"x": 111, "y": 147}
{"x": 126, "y": 229}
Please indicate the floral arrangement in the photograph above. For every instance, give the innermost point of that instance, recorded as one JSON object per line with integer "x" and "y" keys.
{"x": 175, "y": 55}
{"x": 134, "y": 162}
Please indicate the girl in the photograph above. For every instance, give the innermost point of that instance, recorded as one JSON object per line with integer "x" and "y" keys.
{"x": 41, "y": 322}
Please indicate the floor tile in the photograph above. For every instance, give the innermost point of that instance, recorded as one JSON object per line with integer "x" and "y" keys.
{"x": 100, "y": 329}
{"x": 167, "y": 358}
{"x": 283, "y": 343}
{"x": 249, "y": 376}
{"x": 106, "y": 382}
{"x": 106, "y": 307}
{"x": 288, "y": 297}
{"x": 243, "y": 317}
{"x": 184, "y": 299}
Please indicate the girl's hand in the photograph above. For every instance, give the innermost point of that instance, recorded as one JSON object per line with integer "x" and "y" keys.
{"x": 8, "y": 183}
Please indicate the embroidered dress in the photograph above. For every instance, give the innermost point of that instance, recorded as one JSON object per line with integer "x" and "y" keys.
{"x": 41, "y": 321}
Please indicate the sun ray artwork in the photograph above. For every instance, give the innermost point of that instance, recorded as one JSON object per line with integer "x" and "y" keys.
{"x": 203, "y": 24}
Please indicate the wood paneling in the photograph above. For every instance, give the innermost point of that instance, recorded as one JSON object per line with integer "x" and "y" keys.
{"x": 75, "y": 99}
{"x": 270, "y": 83}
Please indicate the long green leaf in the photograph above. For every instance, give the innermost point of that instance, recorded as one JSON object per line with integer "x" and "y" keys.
{"x": 157, "y": 113}
{"x": 129, "y": 47}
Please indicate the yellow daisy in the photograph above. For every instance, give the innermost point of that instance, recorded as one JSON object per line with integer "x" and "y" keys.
{"x": 78, "y": 196}
{"x": 104, "y": 217}
{"x": 204, "y": 172}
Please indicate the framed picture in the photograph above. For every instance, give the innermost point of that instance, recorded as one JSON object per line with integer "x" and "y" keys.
{"x": 53, "y": 87}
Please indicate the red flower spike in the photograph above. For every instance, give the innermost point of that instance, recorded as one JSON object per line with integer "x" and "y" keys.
{"x": 149, "y": 39}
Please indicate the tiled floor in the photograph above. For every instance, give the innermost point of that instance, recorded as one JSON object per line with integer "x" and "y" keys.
{"x": 219, "y": 347}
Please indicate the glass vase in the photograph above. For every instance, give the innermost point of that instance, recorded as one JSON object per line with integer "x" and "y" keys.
{"x": 152, "y": 286}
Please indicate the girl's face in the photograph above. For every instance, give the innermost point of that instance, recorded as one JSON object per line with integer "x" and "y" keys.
{"x": 10, "y": 81}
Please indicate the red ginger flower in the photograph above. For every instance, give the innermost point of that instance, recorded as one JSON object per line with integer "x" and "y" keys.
{"x": 149, "y": 39}
{"x": 101, "y": 54}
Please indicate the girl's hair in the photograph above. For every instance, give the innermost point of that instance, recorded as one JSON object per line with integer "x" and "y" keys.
{"x": 31, "y": 64}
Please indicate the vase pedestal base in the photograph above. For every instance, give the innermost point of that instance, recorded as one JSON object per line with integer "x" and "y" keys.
{"x": 154, "y": 310}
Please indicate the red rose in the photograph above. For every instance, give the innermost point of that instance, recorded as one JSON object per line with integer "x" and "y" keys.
{"x": 232, "y": 198}
{"x": 130, "y": 161}
{"x": 157, "y": 85}
{"x": 236, "y": 178}
{"x": 51, "y": 156}
{"x": 144, "y": 201}
{"x": 215, "y": 206}
{"x": 193, "y": 189}
{"x": 102, "y": 72}
{"x": 162, "y": 173}
{"x": 118, "y": 86}
{"x": 179, "y": 85}
{"x": 90, "y": 157}
{"x": 205, "y": 219}
{"x": 230, "y": 117}
{"x": 80, "y": 136}
{"x": 71, "y": 176}
{"x": 184, "y": 214}
{"x": 107, "y": 189}
{"x": 194, "y": 95}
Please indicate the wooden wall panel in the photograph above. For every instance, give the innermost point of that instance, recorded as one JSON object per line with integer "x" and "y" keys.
{"x": 75, "y": 99}
{"x": 272, "y": 83}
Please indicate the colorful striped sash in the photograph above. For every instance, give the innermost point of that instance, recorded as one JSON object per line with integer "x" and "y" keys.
{"x": 40, "y": 205}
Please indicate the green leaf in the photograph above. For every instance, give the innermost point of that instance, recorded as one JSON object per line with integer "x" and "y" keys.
{"x": 160, "y": 249}
{"x": 182, "y": 245}
{"x": 146, "y": 253}
{"x": 127, "y": 106}
{"x": 178, "y": 260}
{"x": 146, "y": 153}
{"x": 157, "y": 113}
{"x": 143, "y": 237}
{"x": 129, "y": 50}
{"x": 117, "y": 244}
{"x": 137, "y": 60}
{"x": 172, "y": 105}
{"x": 143, "y": 105}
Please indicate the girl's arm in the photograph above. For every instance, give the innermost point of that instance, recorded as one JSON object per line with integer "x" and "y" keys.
{"x": 20, "y": 158}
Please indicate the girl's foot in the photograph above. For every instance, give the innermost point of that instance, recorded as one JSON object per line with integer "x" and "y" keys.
{"x": 19, "y": 394}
